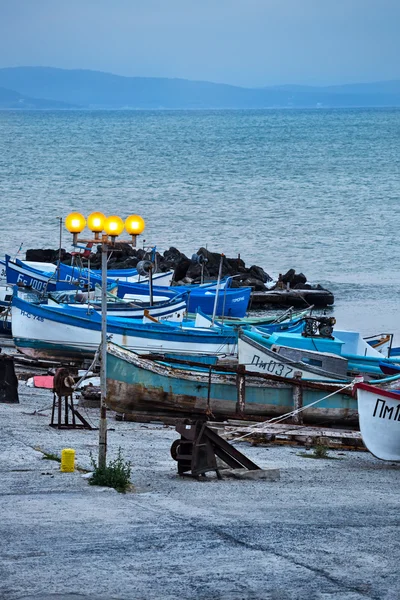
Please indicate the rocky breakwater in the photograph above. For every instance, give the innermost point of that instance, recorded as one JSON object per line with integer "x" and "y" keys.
{"x": 291, "y": 289}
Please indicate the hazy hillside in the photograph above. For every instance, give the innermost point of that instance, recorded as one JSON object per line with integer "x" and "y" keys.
{"x": 95, "y": 89}
{"x": 368, "y": 89}
{"x": 12, "y": 99}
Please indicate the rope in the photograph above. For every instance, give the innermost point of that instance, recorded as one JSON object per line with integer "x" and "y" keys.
{"x": 254, "y": 428}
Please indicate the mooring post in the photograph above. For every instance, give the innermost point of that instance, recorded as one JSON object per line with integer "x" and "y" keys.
{"x": 241, "y": 390}
{"x": 297, "y": 402}
{"x": 8, "y": 380}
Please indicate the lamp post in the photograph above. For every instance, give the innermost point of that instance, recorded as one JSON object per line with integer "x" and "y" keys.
{"x": 112, "y": 227}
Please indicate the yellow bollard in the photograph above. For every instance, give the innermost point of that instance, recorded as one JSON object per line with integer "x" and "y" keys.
{"x": 67, "y": 460}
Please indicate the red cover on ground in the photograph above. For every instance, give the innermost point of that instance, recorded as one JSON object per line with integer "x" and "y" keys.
{"x": 43, "y": 381}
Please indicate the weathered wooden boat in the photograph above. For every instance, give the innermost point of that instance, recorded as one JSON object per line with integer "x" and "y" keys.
{"x": 292, "y": 362}
{"x": 388, "y": 368}
{"x": 379, "y": 418}
{"x": 267, "y": 319}
{"x": 42, "y": 331}
{"x": 361, "y": 357}
{"x": 138, "y": 384}
{"x": 381, "y": 342}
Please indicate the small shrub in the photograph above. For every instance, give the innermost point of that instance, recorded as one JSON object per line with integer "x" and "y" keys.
{"x": 116, "y": 474}
{"x": 321, "y": 451}
{"x": 50, "y": 456}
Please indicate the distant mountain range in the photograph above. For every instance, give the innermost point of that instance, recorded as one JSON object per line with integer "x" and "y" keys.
{"x": 49, "y": 88}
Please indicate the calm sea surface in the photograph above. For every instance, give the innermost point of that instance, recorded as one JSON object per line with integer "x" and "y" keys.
{"x": 316, "y": 190}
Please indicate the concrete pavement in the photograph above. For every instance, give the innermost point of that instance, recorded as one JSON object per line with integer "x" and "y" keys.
{"x": 327, "y": 530}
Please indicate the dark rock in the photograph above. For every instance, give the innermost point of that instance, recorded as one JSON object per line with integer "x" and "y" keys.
{"x": 293, "y": 278}
{"x": 181, "y": 269}
{"x": 46, "y": 255}
{"x": 124, "y": 256}
{"x": 194, "y": 271}
{"x": 287, "y": 277}
{"x": 256, "y": 284}
{"x": 299, "y": 278}
{"x": 173, "y": 255}
{"x": 259, "y": 273}
{"x": 237, "y": 264}
{"x": 128, "y": 263}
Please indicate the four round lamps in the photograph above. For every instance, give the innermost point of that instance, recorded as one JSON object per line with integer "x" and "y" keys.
{"x": 97, "y": 222}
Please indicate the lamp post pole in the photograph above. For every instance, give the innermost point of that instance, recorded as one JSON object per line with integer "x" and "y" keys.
{"x": 113, "y": 226}
{"x": 103, "y": 364}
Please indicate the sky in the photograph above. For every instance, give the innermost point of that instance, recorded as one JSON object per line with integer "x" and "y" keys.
{"x": 251, "y": 43}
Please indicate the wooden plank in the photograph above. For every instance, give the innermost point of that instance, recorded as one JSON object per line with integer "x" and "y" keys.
{"x": 297, "y": 435}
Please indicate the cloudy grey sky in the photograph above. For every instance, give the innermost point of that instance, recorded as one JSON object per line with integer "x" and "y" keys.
{"x": 244, "y": 42}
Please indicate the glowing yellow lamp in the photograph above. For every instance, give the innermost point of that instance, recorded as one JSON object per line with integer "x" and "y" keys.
{"x": 96, "y": 223}
{"x": 134, "y": 225}
{"x": 113, "y": 226}
{"x": 75, "y": 222}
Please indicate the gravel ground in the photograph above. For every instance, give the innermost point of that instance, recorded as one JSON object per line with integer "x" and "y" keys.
{"x": 327, "y": 530}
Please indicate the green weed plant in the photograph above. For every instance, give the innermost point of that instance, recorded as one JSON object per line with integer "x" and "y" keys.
{"x": 115, "y": 475}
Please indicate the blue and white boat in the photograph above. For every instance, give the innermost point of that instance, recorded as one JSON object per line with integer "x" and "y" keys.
{"x": 258, "y": 357}
{"x": 72, "y": 278}
{"x": 173, "y": 309}
{"x": 42, "y": 331}
{"x": 18, "y": 273}
{"x": 313, "y": 350}
{"x": 132, "y": 276}
{"x": 23, "y": 270}
{"x": 379, "y": 415}
{"x": 231, "y": 301}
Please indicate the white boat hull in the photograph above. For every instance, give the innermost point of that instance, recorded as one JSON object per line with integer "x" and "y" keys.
{"x": 40, "y": 337}
{"x": 379, "y": 417}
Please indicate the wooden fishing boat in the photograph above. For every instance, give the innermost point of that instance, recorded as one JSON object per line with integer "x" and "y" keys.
{"x": 388, "y": 368}
{"x": 381, "y": 342}
{"x": 28, "y": 272}
{"x": 292, "y": 362}
{"x": 230, "y": 301}
{"x": 272, "y": 317}
{"x": 361, "y": 357}
{"x": 138, "y": 384}
{"x": 41, "y": 281}
{"x": 173, "y": 309}
{"x": 43, "y": 331}
{"x": 379, "y": 417}
{"x": 132, "y": 276}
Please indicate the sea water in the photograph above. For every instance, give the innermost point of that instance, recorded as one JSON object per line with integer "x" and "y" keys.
{"x": 316, "y": 190}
